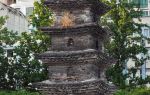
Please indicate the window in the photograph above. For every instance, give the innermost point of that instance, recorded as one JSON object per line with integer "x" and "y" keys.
{"x": 14, "y": 1}
{"x": 140, "y": 3}
{"x": 146, "y": 33}
{"x": 143, "y": 3}
{"x": 148, "y": 41}
{"x": 145, "y": 13}
{"x": 10, "y": 53}
{"x": 29, "y": 11}
{"x": 70, "y": 42}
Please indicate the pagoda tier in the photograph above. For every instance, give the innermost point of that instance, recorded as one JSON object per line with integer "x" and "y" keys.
{"x": 76, "y": 12}
{"x": 87, "y": 87}
{"x": 97, "y": 6}
{"x": 79, "y": 37}
{"x": 70, "y": 66}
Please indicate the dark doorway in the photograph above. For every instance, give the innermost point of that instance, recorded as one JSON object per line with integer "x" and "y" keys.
{"x": 97, "y": 45}
{"x": 70, "y": 42}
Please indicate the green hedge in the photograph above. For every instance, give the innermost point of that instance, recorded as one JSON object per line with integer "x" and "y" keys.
{"x": 137, "y": 91}
{"x": 21, "y": 92}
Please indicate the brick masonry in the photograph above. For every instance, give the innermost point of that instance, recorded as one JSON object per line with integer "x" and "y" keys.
{"x": 75, "y": 59}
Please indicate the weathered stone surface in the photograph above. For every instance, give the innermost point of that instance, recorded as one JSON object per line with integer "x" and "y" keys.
{"x": 73, "y": 73}
{"x": 78, "y": 16}
{"x": 84, "y": 37}
{"x": 75, "y": 59}
{"x": 91, "y": 87}
{"x": 91, "y": 56}
{"x": 96, "y": 5}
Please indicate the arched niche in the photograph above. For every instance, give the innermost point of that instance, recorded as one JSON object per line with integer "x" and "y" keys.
{"x": 70, "y": 42}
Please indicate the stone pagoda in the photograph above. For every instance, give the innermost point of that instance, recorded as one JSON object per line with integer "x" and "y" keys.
{"x": 75, "y": 59}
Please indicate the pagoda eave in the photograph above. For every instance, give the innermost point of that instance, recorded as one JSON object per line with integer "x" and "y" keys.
{"x": 87, "y": 87}
{"x": 78, "y": 29}
{"x": 75, "y": 57}
{"x": 98, "y": 7}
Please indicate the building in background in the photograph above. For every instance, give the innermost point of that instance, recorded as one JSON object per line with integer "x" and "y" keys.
{"x": 8, "y": 2}
{"x": 144, "y": 5}
{"x": 25, "y": 6}
{"x": 16, "y": 21}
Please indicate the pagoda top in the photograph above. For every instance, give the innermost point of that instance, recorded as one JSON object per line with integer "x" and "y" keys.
{"x": 99, "y": 6}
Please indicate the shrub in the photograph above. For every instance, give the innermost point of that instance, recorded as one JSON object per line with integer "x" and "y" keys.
{"x": 21, "y": 67}
{"x": 121, "y": 92}
{"x": 21, "y": 92}
{"x": 136, "y": 91}
{"x": 140, "y": 91}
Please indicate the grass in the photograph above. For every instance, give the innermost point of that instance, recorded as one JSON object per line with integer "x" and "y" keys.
{"x": 20, "y": 92}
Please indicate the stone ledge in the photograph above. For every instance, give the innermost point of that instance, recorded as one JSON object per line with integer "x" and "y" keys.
{"x": 76, "y": 88}
{"x": 74, "y": 57}
{"x": 77, "y": 29}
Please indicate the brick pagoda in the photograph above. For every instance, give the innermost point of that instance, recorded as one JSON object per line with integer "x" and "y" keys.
{"x": 75, "y": 59}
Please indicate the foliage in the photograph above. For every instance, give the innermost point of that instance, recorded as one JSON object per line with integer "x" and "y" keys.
{"x": 6, "y": 38}
{"x": 42, "y": 15}
{"x": 126, "y": 42}
{"x": 121, "y": 92}
{"x": 31, "y": 69}
{"x": 21, "y": 67}
{"x": 21, "y": 92}
{"x": 2, "y": 20}
{"x": 137, "y": 91}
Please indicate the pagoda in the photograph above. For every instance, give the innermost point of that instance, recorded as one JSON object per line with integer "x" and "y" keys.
{"x": 75, "y": 58}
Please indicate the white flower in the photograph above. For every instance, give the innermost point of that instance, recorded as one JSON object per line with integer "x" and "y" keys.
{"x": 5, "y": 54}
{"x": 148, "y": 85}
{"x": 24, "y": 66}
{"x": 41, "y": 70}
{"x": 31, "y": 37}
{"x": 117, "y": 2}
{"x": 50, "y": 17}
{"x": 3, "y": 44}
{"x": 31, "y": 58}
{"x": 38, "y": 41}
{"x": 18, "y": 57}
{"x": 14, "y": 53}
{"x": 40, "y": 62}
{"x": 36, "y": 15}
{"x": 30, "y": 84}
{"x": 16, "y": 44}
{"x": 6, "y": 77}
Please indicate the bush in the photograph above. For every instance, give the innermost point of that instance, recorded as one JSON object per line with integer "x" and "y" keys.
{"x": 136, "y": 91}
{"x": 140, "y": 91}
{"x": 22, "y": 68}
{"x": 121, "y": 92}
{"x": 18, "y": 64}
{"x": 21, "y": 92}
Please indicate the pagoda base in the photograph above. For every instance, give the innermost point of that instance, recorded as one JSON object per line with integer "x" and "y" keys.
{"x": 87, "y": 87}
